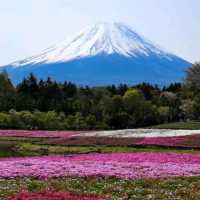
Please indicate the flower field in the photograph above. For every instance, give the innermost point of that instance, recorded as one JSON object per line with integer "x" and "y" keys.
{"x": 119, "y": 165}
{"x": 137, "y": 137}
{"x": 61, "y": 165}
{"x": 191, "y": 141}
{"x": 188, "y": 141}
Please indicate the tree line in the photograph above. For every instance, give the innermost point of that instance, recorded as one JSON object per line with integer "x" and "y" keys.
{"x": 47, "y": 104}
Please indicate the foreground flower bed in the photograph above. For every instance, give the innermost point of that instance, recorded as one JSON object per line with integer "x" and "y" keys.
{"x": 37, "y": 134}
{"x": 120, "y": 165}
{"x": 184, "y": 188}
{"x": 51, "y": 195}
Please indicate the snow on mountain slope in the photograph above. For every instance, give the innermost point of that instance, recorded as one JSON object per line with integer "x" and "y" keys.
{"x": 101, "y": 38}
{"x": 102, "y": 54}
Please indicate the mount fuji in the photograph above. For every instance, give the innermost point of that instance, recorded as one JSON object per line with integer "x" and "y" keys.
{"x": 105, "y": 53}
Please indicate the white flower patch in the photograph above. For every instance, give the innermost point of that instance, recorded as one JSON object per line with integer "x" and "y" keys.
{"x": 140, "y": 133}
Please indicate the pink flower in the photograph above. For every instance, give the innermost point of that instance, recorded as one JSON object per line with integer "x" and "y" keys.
{"x": 120, "y": 165}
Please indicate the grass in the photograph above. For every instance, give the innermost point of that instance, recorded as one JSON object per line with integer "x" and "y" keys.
{"x": 179, "y": 125}
{"x": 8, "y": 149}
{"x": 11, "y": 148}
{"x": 183, "y": 188}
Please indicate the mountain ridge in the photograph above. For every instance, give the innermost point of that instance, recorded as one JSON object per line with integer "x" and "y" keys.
{"x": 101, "y": 50}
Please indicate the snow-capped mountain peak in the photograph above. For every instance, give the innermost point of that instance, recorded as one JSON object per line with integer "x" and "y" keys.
{"x": 98, "y": 39}
{"x": 103, "y": 54}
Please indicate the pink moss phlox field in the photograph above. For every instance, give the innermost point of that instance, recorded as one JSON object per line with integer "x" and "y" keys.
{"x": 51, "y": 195}
{"x": 120, "y": 165}
{"x": 163, "y": 141}
{"x": 37, "y": 134}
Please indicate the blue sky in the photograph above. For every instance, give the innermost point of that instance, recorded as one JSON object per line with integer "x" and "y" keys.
{"x": 29, "y": 26}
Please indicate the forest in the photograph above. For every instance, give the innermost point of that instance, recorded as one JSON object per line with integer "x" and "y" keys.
{"x": 46, "y": 104}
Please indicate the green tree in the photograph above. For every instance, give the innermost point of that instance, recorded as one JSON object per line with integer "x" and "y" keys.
{"x": 7, "y": 93}
{"x": 164, "y": 113}
{"x": 193, "y": 76}
{"x": 132, "y": 99}
{"x": 188, "y": 109}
